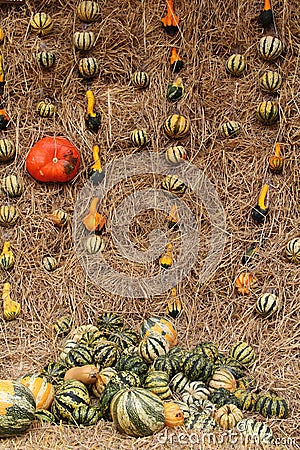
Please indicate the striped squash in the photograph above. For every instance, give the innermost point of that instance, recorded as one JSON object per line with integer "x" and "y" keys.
{"x": 106, "y": 354}
{"x": 137, "y": 412}
{"x": 197, "y": 367}
{"x": 207, "y": 349}
{"x": 246, "y": 383}
{"x": 7, "y": 258}
{"x": 109, "y": 321}
{"x": 167, "y": 364}
{"x": 270, "y": 47}
{"x": 243, "y": 352}
{"x": 222, "y": 378}
{"x": 221, "y": 397}
{"x": 88, "y": 67}
{"x": 236, "y": 64}
{"x": 230, "y": 129}
{"x": 232, "y": 365}
{"x": 176, "y": 126}
{"x": 49, "y": 263}
{"x": 69, "y": 345}
{"x": 246, "y": 399}
{"x": 88, "y": 11}
{"x": 79, "y": 355}
{"x": 202, "y": 405}
{"x": 267, "y": 304}
{"x": 54, "y": 372}
{"x": 173, "y": 184}
{"x": 270, "y": 82}
{"x": 45, "y": 109}
{"x": 132, "y": 363}
{"x": 176, "y": 154}
{"x": 153, "y": 346}
{"x": 85, "y": 415}
{"x": 162, "y": 326}
{"x": 63, "y": 325}
{"x": 12, "y": 185}
{"x": 267, "y": 112}
{"x": 255, "y": 429}
{"x": 175, "y": 90}
{"x": 8, "y": 215}
{"x": 269, "y": 405}
{"x": 91, "y": 338}
{"x": 124, "y": 338}
{"x": 94, "y": 244}
{"x": 228, "y": 416}
{"x": 140, "y": 80}
{"x": 43, "y": 415}
{"x": 45, "y": 59}
{"x": 17, "y": 410}
{"x": 69, "y": 395}
{"x": 203, "y": 422}
{"x": 194, "y": 391}
{"x": 292, "y": 250}
{"x": 58, "y": 217}
{"x": 84, "y": 40}
{"x": 179, "y": 382}
{"x": 139, "y": 137}
{"x": 157, "y": 382}
{"x": 41, "y": 389}
{"x": 41, "y": 23}
{"x": 7, "y": 150}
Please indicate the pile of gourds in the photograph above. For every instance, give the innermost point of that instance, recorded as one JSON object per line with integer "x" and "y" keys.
{"x": 142, "y": 382}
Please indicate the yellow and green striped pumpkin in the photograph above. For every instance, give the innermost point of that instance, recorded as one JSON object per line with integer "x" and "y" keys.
{"x": 157, "y": 382}
{"x": 7, "y": 150}
{"x": 41, "y": 389}
{"x": 267, "y": 112}
{"x": 236, "y": 64}
{"x": 197, "y": 367}
{"x": 176, "y": 154}
{"x": 45, "y": 109}
{"x": 109, "y": 321}
{"x": 124, "y": 337}
{"x": 137, "y": 412}
{"x": 41, "y": 23}
{"x": 88, "y": 67}
{"x": 85, "y": 415}
{"x": 94, "y": 244}
{"x": 63, "y": 325}
{"x": 228, "y": 416}
{"x": 49, "y": 263}
{"x": 153, "y": 346}
{"x": 246, "y": 399}
{"x": 17, "y": 410}
{"x": 80, "y": 355}
{"x": 267, "y": 304}
{"x": 243, "y": 352}
{"x": 106, "y": 354}
{"x": 269, "y": 405}
{"x": 270, "y": 48}
{"x": 140, "y": 80}
{"x": 230, "y": 129}
{"x": 8, "y": 215}
{"x": 139, "y": 137}
{"x": 173, "y": 184}
{"x": 255, "y": 429}
{"x": 270, "y": 81}
{"x": 88, "y": 11}
{"x": 12, "y": 185}
{"x": 222, "y": 378}
{"x": 45, "y": 59}
{"x": 84, "y": 40}
{"x": 43, "y": 415}
{"x": 69, "y": 395}
{"x": 292, "y": 250}
{"x": 176, "y": 126}
{"x": 69, "y": 345}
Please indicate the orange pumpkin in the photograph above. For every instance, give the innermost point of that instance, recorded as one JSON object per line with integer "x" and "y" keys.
{"x": 53, "y": 159}
{"x": 42, "y": 390}
{"x": 162, "y": 326}
{"x": 244, "y": 282}
{"x": 174, "y": 416}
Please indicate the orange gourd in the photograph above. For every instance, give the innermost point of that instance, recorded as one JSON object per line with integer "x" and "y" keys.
{"x": 42, "y": 390}
{"x": 86, "y": 374}
{"x": 94, "y": 221}
{"x": 244, "y": 282}
{"x": 174, "y": 416}
{"x": 170, "y": 21}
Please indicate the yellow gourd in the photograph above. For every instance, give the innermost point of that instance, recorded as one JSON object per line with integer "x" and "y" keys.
{"x": 86, "y": 374}
{"x": 11, "y": 309}
{"x": 7, "y": 258}
{"x": 2, "y": 74}
{"x": 96, "y": 173}
{"x": 166, "y": 260}
{"x": 92, "y": 118}
{"x": 260, "y": 211}
{"x": 276, "y": 161}
{"x": 94, "y": 221}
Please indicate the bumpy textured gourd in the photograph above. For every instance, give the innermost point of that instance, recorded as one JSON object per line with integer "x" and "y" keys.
{"x": 88, "y": 11}
{"x": 140, "y": 80}
{"x": 270, "y": 48}
{"x": 292, "y": 250}
{"x": 171, "y": 20}
{"x": 174, "y": 416}
{"x": 261, "y": 210}
{"x": 230, "y": 129}
{"x": 176, "y": 154}
{"x": 276, "y": 161}
{"x": 94, "y": 221}
{"x": 7, "y": 258}
{"x": 45, "y": 109}
{"x": 11, "y": 308}
{"x": 176, "y": 126}
{"x": 236, "y": 64}
{"x": 49, "y": 263}
{"x": 176, "y": 62}
{"x": 7, "y": 150}
{"x": 106, "y": 353}
{"x": 41, "y": 23}
{"x": 92, "y": 117}
{"x": 197, "y": 367}
{"x": 270, "y": 82}
{"x": 45, "y": 59}
{"x": 88, "y": 67}
{"x": 175, "y": 90}
{"x": 59, "y": 217}
{"x": 8, "y": 216}
{"x": 267, "y": 112}
{"x": 139, "y": 137}
{"x": 84, "y": 40}
{"x": 267, "y": 304}
{"x": 12, "y": 185}
{"x": 174, "y": 185}
{"x": 174, "y": 307}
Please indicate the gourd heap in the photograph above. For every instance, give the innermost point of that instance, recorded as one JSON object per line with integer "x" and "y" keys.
{"x": 140, "y": 381}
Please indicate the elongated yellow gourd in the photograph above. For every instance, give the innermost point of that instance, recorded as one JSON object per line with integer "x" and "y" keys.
{"x": 92, "y": 118}
{"x": 96, "y": 173}
{"x": 94, "y": 221}
{"x": 11, "y": 309}
{"x": 86, "y": 374}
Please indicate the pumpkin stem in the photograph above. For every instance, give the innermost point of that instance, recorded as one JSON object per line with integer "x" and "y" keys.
{"x": 262, "y": 196}
{"x": 90, "y": 103}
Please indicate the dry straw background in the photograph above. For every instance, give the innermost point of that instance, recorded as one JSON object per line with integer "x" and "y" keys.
{"x": 130, "y": 37}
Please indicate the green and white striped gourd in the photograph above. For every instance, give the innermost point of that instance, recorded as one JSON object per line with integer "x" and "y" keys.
{"x": 270, "y": 82}
{"x": 221, "y": 397}
{"x": 270, "y": 405}
{"x": 124, "y": 337}
{"x": 267, "y": 304}
{"x": 197, "y": 367}
{"x": 194, "y": 391}
{"x": 178, "y": 383}
{"x": 270, "y": 48}
{"x": 80, "y": 355}
{"x": 176, "y": 154}
{"x": 255, "y": 429}
{"x": 69, "y": 395}
{"x": 109, "y": 321}
{"x": 243, "y": 352}
{"x": 7, "y": 150}
{"x": 153, "y": 346}
{"x": 167, "y": 364}
{"x": 106, "y": 354}
{"x": 292, "y": 250}
{"x": 202, "y": 422}
{"x": 84, "y": 40}
{"x": 236, "y": 64}
{"x": 12, "y": 185}
{"x": 85, "y": 415}
{"x": 132, "y": 363}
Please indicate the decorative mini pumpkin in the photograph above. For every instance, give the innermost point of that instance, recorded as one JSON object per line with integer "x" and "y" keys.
{"x": 292, "y": 250}
{"x": 137, "y": 412}
{"x": 267, "y": 112}
{"x": 267, "y": 304}
{"x": 45, "y": 59}
{"x": 175, "y": 90}
{"x": 106, "y": 353}
{"x": 41, "y": 389}
{"x": 8, "y": 216}
{"x": 85, "y": 415}
{"x": 17, "y": 408}
{"x": 270, "y": 82}
{"x": 94, "y": 221}
{"x": 12, "y": 185}
{"x": 45, "y": 109}
{"x": 96, "y": 173}
{"x": 166, "y": 260}
{"x": 41, "y": 23}
{"x": 246, "y": 399}
{"x": 53, "y": 159}
{"x": 92, "y": 118}
{"x": 173, "y": 184}
{"x": 270, "y": 48}
{"x": 62, "y": 326}
{"x": 84, "y": 40}
{"x": 230, "y": 129}
{"x": 88, "y": 11}
{"x": 157, "y": 382}
{"x": 260, "y": 211}
{"x": 162, "y": 326}
{"x": 69, "y": 395}
{"x": 174, "y": 308}
{"x": 179, "y": 382}
{"x": 140, "y": 80}
{"x": 176, "y": 62}
{"x": 197, "y": 367}
{"x": 49, "y": 263}
{"x": 177, "y": 126}
{"x": 222, "y": 378}
{"x": 139, "y": 137}
{"x": 244, "y": 282}
{"x": 59, "y": 217}
{"x": 228, "y": 416}
{"x": 88, "y": 67}
{"x": 269, "y": 405}
{"x": 174, "y": 416}
{"x": 276, "y": 161}
{"x": 7, "y": 150}
{"x": 11, "y": 308}
{"x": 243, "y": 352}
{"x": 170, "y": 21}
{"x": 236, "y": 64}
{"x": 194, "y": 391}
{"x": 7, "y": 258}
{"x": 94, "y": 244}
{"x": 110, "y": 321}
{"x": 222, "y": 396}
{"x": 254, "y": 429}
{"x": 176, "y": 154}
{"x": 153, "y": 346}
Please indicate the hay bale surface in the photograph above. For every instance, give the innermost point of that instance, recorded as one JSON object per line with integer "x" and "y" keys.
{"x": 130, "y": 37}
